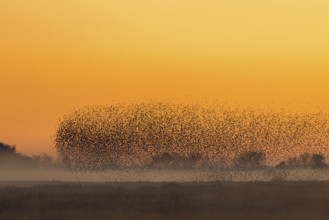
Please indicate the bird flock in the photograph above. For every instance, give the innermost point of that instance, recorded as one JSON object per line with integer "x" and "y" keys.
{"x": 126, "y": 135}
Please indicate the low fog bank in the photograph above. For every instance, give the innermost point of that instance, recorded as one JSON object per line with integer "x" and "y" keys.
{"x": 149, "y": 175}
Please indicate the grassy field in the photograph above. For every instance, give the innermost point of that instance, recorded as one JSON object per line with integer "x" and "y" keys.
{"x": 212, "y": 200}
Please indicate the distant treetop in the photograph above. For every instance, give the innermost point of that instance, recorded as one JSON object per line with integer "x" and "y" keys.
{"x": 5, "y": 148}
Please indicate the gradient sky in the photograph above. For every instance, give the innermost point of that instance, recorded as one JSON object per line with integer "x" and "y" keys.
{"x": 57, "y": 55}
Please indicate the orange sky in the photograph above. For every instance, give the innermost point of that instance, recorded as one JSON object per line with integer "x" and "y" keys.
{"x": 58, "y": 55}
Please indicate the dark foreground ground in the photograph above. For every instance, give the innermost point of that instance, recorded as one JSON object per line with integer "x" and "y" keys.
{"x": 226, "y": 200}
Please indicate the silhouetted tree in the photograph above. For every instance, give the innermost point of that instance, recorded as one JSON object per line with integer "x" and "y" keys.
{"x": 9, "y": 158}
{"x": 5, "y": 148}
{"x": 318, "y": 160}
{"x": 250, "y": 160}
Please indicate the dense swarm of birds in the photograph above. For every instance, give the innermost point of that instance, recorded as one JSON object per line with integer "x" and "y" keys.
{"x": 125, "y": 135}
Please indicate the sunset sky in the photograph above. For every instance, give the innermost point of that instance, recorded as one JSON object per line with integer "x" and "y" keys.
{"x": 58, "y": 55}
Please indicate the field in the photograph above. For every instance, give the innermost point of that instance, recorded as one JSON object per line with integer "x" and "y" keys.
{"x": 145, "y": 200}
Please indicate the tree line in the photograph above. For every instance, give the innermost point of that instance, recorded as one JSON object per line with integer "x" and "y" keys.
{"x": 247, "y": 160}
{"x": 10, "y": 158}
